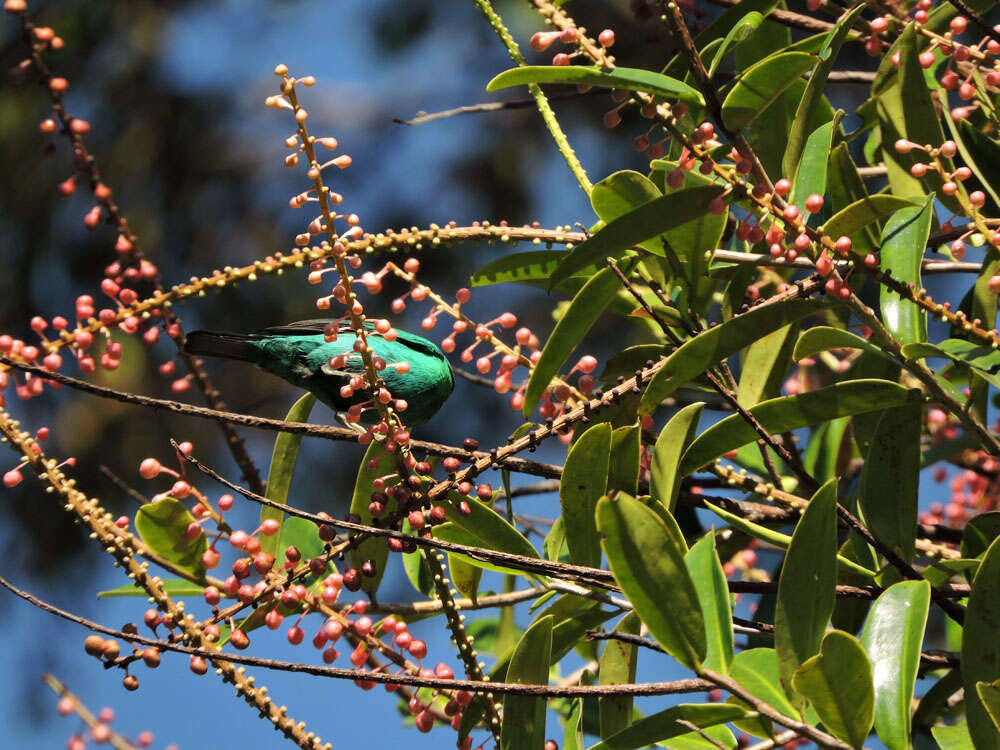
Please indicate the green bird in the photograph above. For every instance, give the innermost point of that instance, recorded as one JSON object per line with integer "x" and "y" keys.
{"x": 300, "y": 354}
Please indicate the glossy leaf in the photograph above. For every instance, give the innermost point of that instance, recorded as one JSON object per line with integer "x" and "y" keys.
{"x": 980, "y": 153}
{"x": 864, "y": 212}
{"x": 903, "y": 241}
{"x": 710, "y": 582}
{"x": 810, "y": 173}
{"x": 891, "y": 477}
{"x": 664, "y": 725}
{"x": 376, "y": 463}
{"x": 583, "y": 312}
{"x": 757, "y": 671}
{"x": 981, "y": 647}
{"x": 844, "y": 187}
{"x": 621, "y": 192}
{"x": 893, "y": 637}
{"x": 983, "y": 359}
{"x": 530, "y": 265}
{"x": 779, "y": 540}
{"x": 716, "y": 344}
{"x": 740, "y": 31}
{"x": 807, "y": 586}
{"x": 838, "y": 683}
{"x": 303, "y": 535}
{"x": 814, "y": 91}
{"x": 650, "y": 568}
{"x": 173, "y": 586}
{"x": 524, "y": 716}
{"x": 793, "y": 412}
{"x": 718, "y": 29}
{"x": 823, "y": 338}
{"x": 617, "y": 667}
{"x": 487, "y": 528}
{"x": 629, "y": 79}
{"x": 583, "y": 483}
{"x": 674, "y": 438}
{"x": 905, "y": 110}
{"x": 162, "y": 526}
{"x": 573, "y": 729}
{"x": 651, "y": 219}
{"x": 279, "y": 477}
{"x": 760, "y": 85}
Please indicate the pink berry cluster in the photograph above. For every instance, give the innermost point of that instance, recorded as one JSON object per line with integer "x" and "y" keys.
{"x": 974, "y": 490}
{"x": 99, "y": 732}
{"x": 540, "y": 41}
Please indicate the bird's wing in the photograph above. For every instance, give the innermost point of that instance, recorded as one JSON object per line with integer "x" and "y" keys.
{"x": 308, "y": 327}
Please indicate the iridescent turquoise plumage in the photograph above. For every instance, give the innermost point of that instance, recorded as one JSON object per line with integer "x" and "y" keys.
{"x": 300, "y": 354}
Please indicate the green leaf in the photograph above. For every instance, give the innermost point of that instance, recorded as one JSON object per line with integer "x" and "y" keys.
{"x": 583, "y": 483}
{"x": 989, "y": 694}
{"x": 464, "y": 576}
{"x": 793, "y": 412}
{"x": 782, "y": 541}
{"x": 903, "y": 241}
{"x": 954, "y": 737}
{"x": 713, "y": 593}
{"x": 651, "y": 219}
{"x": 979, "y": 533}
{"x": 813, "y": 94}
{"x": 838, "y": 683}
{"x": 760, "y": 85}
{"x": 173, "y": 586}
{"x": 717, "y": 29}
{"x": 416, "y": 568}
{"x": 807, "y": 585}
{"x": 556, "y": 547}
{"x": 765, "y": 365}
{"x": 279, "y": 477}
{"x": 162, "y": 526}
{"x": 621, "y": 192}
{"x": 893, "y": 636}
{"x": 863, "y": 212}
{"x": 486, "y": 527}
{"x": 376, "y": 463}
{"x": 983, "y": 359}
{"x": 583, "y": 312}
{"x": 822, "y": 338}
{"x": 674, "y": 438}
{"x": 524, "y": 716}
{"x": 630, "y": 79}
{"x": 716, "y": 344}
{"x": 573, "y": 729}
{"x": 649, "y": 566}
{"x": 845, "y": 186}
{"x": 617, "y": 667}
{"x": 664, "y": 725}
{"x": 625, "y": 455}
{"x": 981, "y": 648}
{"x": 757, "y": 671}
{"x": 304, "y": 535}
{"x": 744, "y": 28}
{"x": 906, "y": 110}
{"x": 531, "y": 265}
{"x": 891, "y": 477}
{"x": 810, "y": 175}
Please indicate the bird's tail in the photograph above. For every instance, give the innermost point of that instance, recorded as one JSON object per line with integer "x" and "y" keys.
{"x": 224, "y": 345}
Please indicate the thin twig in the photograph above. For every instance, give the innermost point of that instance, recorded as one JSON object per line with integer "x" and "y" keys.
{"x": 385, "y": 678}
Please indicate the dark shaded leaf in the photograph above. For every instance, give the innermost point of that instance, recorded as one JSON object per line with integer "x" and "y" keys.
{"x": 583, "y": 483}
{"x": 630, "y": 79}
{"x": 903, "y": 241}
{"x": 650, "y": 569}
{"x": 524, "y": 716}
{"x": 807, "y": 586}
